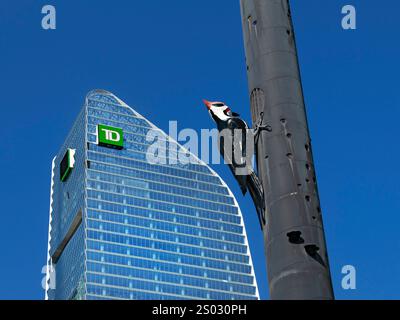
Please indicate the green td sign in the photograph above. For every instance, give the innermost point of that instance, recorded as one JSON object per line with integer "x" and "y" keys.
{"x": 67, "y": 164}
{"x": 110, "y": 137}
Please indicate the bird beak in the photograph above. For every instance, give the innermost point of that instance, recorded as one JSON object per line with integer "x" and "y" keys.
{"x": 207, "y": 103}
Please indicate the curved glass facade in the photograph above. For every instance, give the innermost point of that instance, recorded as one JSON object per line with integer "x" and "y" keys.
{"x": 123, "y": 228}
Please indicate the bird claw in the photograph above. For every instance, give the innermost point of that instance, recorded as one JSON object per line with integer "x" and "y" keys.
{"x": 265, "y": 127}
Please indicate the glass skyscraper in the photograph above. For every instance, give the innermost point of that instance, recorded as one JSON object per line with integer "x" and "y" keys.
{"x": 123, "y": 228}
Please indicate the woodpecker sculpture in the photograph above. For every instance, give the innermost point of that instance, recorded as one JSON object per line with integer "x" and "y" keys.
{"x": 229, "y": 124}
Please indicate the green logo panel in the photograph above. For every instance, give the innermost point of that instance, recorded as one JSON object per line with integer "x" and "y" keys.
{"x": 67, "y": 164}
{"x": 110, "y": 136}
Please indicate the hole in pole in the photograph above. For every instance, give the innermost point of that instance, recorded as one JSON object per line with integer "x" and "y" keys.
{"x": 311, "y": 249}
{"x": 295, "y": 237}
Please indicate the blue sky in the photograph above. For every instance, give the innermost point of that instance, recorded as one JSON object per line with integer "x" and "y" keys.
{"x": 162, "y": 57}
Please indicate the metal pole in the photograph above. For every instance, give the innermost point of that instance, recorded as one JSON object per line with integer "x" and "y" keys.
{"x": 294, "y": 241}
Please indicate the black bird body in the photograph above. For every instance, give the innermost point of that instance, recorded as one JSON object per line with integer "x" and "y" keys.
{"x": 232, "y": 134}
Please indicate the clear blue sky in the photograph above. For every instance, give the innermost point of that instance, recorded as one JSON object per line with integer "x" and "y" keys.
{"x": 163, "y": 57}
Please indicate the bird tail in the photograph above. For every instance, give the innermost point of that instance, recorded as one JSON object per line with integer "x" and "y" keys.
{"x": 257, "y": 194}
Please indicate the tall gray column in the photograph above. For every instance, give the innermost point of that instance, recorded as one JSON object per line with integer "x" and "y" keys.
{"x": 297, "y": 260}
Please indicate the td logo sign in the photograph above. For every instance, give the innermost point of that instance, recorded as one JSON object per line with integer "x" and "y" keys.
{"x": 110, "y": 137}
